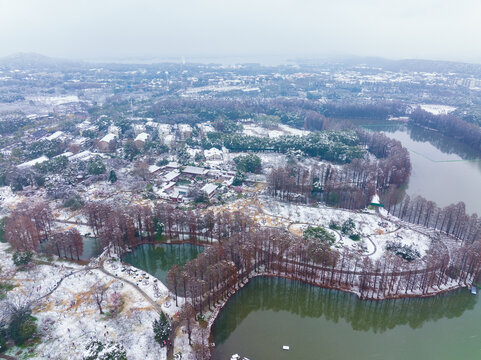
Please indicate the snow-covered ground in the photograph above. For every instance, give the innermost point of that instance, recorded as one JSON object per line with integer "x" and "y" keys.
{"x": 259, "y": 131}
{"x": 8, "y": 200}
{"x": 371, "y": 227}
{"x": 69, "y": 318}
{"x": 437, "y": 109}
{"x": 54, "y": 100}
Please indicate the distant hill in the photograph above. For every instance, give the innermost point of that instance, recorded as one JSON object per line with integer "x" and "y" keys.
{"x": 33, "y": 60}
{"x": 402, "y": 65}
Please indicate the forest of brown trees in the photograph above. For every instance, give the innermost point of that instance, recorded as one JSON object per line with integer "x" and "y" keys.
{"x": 452, "y": 220}
{"x": 226, "y": 264}
{"x": 449, "y": 125}
{"x": 238, "y": 248}
{"x": 31, "y": 229}
{"x": 353, "y": 185}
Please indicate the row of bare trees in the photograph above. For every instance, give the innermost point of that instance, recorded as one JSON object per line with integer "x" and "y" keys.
{"x": 353, "y": 185}
{"x": 225, "y": 265}
{"x": 450, "y": 125}
{"x": 452, "y": 220}
{"x": 31, "y": 229}
{"x": 132, "y": 225}
{"x": 350, "y": 187}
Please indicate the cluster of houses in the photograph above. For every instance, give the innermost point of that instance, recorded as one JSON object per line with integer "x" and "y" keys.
{"x": 176, "y": 183}
{"x": 172, "y": 182}
{"x": 169, "y": 134}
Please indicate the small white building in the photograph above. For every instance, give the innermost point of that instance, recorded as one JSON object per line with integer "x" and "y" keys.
{"x": 213, "y": 154}
{"x": 206, "y": 127}
{"x": 141, "y": 139}
{"x": 107, "y": 143}
{"x": 168, "y": 140}
{"x": 164, "y": 130}
{"x": 209, "y": 189}
{"x": 185, "y": 130}
{"x": 33, "y": 162}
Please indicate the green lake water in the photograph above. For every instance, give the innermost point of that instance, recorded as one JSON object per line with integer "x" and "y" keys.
{"x": 158, "y": 259}
{"x": 327, "y": 324}
{"x": 444, "y": 169}
{"x": 90, "y": 248}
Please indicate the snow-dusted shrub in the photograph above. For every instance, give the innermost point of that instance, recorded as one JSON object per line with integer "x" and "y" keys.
{"x": 22, "y": 259}
{"x": 348, "y": 227}
{"x": 334, "y": 225}
{"x": 161, "y": 329}
{"x": 407, "y": 252}
{"x": 97, "y": 350}
{"x": 318, "y": 233}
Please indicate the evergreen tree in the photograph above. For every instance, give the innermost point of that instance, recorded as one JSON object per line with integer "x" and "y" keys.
{"x": 348, "y": 227}
{"x": 318, "y": 233}
{"x": 112, "y": 176}
{"x": 96, "y": 166}
{"x": 22, "y": 259}
{"x": 248, "y": 163}
{"x": 22, "y": 326}
{"x": 161, "y": 329}
{"x": 3, "y": 340}
{"x": 2, "y": 230}
{"x": 158, "y": 227}
{"x": 97, "y": 350}
{"x": 238, "y": 178}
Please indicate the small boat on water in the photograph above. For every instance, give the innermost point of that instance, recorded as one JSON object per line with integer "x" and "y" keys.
{"x": 474, "y": 290}
{"x": 237, "y": 357}
{"x": 285, "y": 347}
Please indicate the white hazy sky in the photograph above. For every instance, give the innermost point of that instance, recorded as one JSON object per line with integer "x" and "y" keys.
{"x": 114, "y": 29}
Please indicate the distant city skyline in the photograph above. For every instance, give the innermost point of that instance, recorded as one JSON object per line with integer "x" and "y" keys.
{"x": 266, "y": 30}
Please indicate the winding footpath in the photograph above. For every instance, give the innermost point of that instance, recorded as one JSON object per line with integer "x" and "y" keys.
{"x": 155, "y": 305}
{"x": 152, "y": 302}
{"x": 102, "y": 269}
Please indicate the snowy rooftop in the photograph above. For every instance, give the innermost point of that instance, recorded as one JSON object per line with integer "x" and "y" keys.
{"x": 171, "y": 175}
{"x": 55, "y": 135}
{"x": 66, "y": 154}
{"x": 172, "y": 165}
{"x": 184, "y": 127}
{"x": 81, "y": 155}
{"x": 108, "y": 138}
{"x": 142, "y": 137}
{"x": 209, "y": 188}
{"x": 194, "y": 170}
{"x": 154, "y": 168}
{"x": 33, "y": 162}
{"x": 164, "y": 128}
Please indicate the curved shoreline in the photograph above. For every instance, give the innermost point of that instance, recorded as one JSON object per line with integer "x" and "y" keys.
{"x": 168, "y": 242}
{"x": 218, "y": 308}
{"x": 214, "y": 314}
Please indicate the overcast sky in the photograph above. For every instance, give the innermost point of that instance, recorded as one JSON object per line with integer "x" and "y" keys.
{"x": 115, "y": 29}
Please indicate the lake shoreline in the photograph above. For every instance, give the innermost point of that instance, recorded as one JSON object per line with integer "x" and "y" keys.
{"x": 218, "y": 308}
